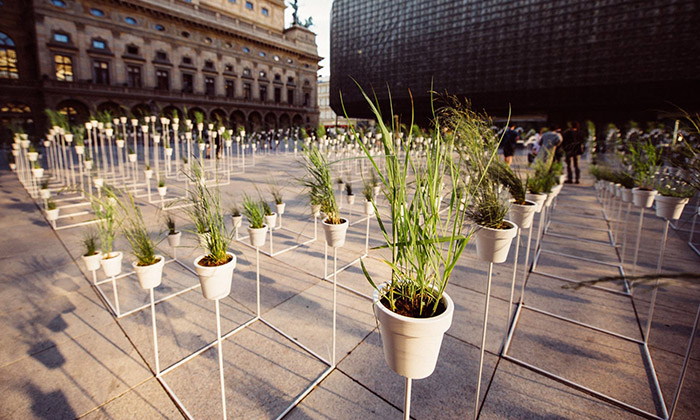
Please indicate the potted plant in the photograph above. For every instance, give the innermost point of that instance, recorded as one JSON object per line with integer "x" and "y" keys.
{"x": 32, "y": 154}
{"x": 522, "y": 211}
{"x": 279, "y": 201}
{"x": 368, "y": 193}
{"x": 349, "y": 195}
{"x": 148, "y": 265}
{"x": 104, "y": 208}
{"x": 270, "y": 216}
{"x": 120, "y": 141}
{"x": 79, "y": 134}
{"x": 37, "y": 170}
{"x": 44, "y": 192}
{"x": 215, "y": 267}
{"x": 162, "y": 189}
{"x": 540, "y": 184}
{"x": 412, "y": 309}
{"x": 672, "y": 197}
{"x": 131, "y": 155}
{"x": 236, "y": 217}
{"x": 255, "y": 213}
{"x": 626, "y": 181}
{"x": 11, "y": 160}
{"x": 148, "y": 172}
{"x": 319, "y": 182}
{"x": 92, "y": 255}
{"x": 376, "y": 188}
{"x": 174, "y": 235}
{"x": 645, "y": 161}
{"x": 51, "y": 211}
{"x": 88, "y": 161}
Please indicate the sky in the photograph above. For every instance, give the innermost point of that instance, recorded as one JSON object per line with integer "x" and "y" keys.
{"x": 320, "y": 11}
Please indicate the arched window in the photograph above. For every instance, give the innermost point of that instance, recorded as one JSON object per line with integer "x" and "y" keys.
{"x": 8, "y": 58}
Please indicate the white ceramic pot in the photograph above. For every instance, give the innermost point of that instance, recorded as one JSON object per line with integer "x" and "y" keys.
{"x": 112, "y": 264}
{"x": 626, "y": 195}
{"x": 538, "y": 199}
{"x": 280, "y": 208}
{"x": 643, "y": 198}
{"x": 168, "y": 151}
{"x": 228, "y": 143}
{"x": 52, "y": 215}
{"x": 24, "y": 144}
{"x": 257, "y": 236}
{"x": 13, "y": 166}
{"x": 33, "y": 156}
{"x": 369, "y": 208}
{"x": 522, "y": 214}
{"x": 174, "y": 239}
{"x": 215, "y": 281}
{"x": 670, "y": 207}
{"x": 99, "y": 182}
{"x": 79, "y": 150}
{"x": 44, "y": 193}
{"x": 201, "y": 147}
{"x": 492, "y": 245}
{"x": 162, "y": 191}
{"x": 412, "y": 345}
{"x": 92, "y": 262}
{"x": 376, "y": 190}
{"x": 550, "y": 198}
{"x": 120, "y": 144}
{"x": 38, "y": 172}
{"x": 150, "y": 276}
{"x": 88, "y": 164}
{"x": 132, "y": 157}
{"x": 148, "y": 173}
{"x": 350, "y": 198}
{"x": 335, "y": 234}
{"x": 271, "y": 220}
{"x": 237, "y": 221}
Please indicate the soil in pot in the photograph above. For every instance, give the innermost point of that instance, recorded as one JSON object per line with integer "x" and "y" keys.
{"x": 208, "y": 262}
{"x": 411, "y": 308}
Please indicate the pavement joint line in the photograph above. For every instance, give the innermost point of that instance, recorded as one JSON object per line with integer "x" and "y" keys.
{"x": 114, "y": 398}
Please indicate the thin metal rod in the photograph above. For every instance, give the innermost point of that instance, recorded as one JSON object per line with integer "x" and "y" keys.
{"x": 335, "y": 300}
{"x": 512, "y": 283}
{"x": 257, "y": 279}
{"x": 652, "y": 303}
{"x": 483, "y": 341}
{"x": 526, "y": 268}
{"x": 657, "y": 386}
{"x": 304, "y": 393}
{"x": 684, "y": 370}
{"x": 576, "y": 257}
{"x": 155, "y": 335}
{"x": 221, "y": 359}
{"x": 116, "y": 297}
{"x": 624, "y": 236}
{"x": 407, "y": 400}
{"x": 639, "y": 238}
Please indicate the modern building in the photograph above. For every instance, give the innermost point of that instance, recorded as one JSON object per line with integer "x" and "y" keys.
{"x": 327, "y": 117}
{"x": 605, "y": 60}
{"x": 230, "y": 59}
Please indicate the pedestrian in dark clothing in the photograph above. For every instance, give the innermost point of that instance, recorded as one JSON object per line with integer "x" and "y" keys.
{"x": 550, "y": 142}
{"x": 573, "y": 145}
{"x": 509, "y": 142}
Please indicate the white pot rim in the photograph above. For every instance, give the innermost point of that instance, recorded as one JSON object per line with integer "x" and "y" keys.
{"x": 199, "y": 258}
{"x": 161, "y": 261}
{"x": 449, "y": 308}
{"x": 512, "y": 227}
{"x": 344, "y": 221}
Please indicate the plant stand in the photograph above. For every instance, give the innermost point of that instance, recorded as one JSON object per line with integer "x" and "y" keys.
{"x": 483, "y": 342}
{"x": 639, "y": 239}
{"x": 272, "y": 252}
{"x": 692, "y": 231}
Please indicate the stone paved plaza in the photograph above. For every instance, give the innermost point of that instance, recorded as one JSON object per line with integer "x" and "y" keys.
{"x": 64, "y": 355}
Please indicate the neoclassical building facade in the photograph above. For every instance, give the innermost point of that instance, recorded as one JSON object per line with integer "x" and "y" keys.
{"x": 229, "y": 59}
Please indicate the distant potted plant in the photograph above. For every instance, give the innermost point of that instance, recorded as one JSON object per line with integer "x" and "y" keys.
{"x": 215, "y": 267}
{"x": 44, "y": 191}
{"x": 120, "y": 141}
{"x": 368, "y": 193}
{"x": 174, "y": 236}
{"x": 131, "y": 155}
{"x": 319, "y": 182}
{"x": 376, "y": 188}
{"x": 51, "y": 211}
{"x": 32, "y": 154}
{"x": 270, "y": 216}
{"x": 255, "y": 214}
{"x": 349, "y": 195}
{"x": 522, "y": 211}
{"x": 162, "y": 189}
{"x": 92, "y": 255}
{"x": 236, "y": 217}
{"x": 107, "y": 224}
{"x": 672, "y": 197}
{"x": 148, "y": 265}
{"x": 37, "y": 170}
{"x": 148, "y": 172}
{"x": 540, "y": 184}
{"x": 279, "y": 201}
{"x": 79, "y": 134}
{"x": 646, "y": 162}
{"x": 88, "y": 161}
{"x": 626, "y": 182}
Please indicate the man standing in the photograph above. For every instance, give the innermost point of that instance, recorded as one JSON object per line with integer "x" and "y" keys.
{"x": 573, "y": 146}
{"x": 549, "y": 142}
{"x": 509, "y": 141}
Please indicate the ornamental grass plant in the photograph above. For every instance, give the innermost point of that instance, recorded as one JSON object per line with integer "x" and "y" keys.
{"x": 254, "y": 212}
{"x": 134, "y": 229}
{"x": 425, "y": 245}
{"x": 319, "y": 183}
{"x": 108, "y": 223}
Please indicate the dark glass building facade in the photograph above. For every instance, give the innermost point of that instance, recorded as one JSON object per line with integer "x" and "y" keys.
{"x": 564, "y": 59}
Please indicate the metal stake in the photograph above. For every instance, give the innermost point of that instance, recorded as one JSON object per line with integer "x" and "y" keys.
{"x": 483, "y": 341}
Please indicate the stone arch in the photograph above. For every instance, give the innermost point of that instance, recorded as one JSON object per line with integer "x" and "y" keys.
{"x": 141, "y": 110}
{"x": 284, "y": 121}
{"x": 170, "y": 109}
{"x": 270, "y": 121}
{"x": 237, "y": 119}
{"x": 191, "y": 111}
{"x": 255, "y": 121}
{"x": 114, "y": 108}
{"x": 76, "y": 111}
{"x": 298, "y": 120}
{"x": 218, "y": 114}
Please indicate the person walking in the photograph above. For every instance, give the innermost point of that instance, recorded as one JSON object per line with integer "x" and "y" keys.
{"x": 509, "y": 142}
{"x": 550, "y": 142}
{"x": 573, "y": 145}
